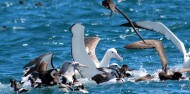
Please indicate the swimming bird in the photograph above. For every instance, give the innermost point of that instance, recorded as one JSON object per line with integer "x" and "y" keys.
{"x": 66, "y": 87}
{"x": 147, "y": 77}
{"x": 80, "y": 88}
{"x": 165, "y": 74}
{"x": 161, "y": 28}
{"x": 68, "y": 70}
{"x": 90, "y": 44}
{"x": 43, "y": 65}
{"x": 69, "y": 82}
{"x": 31, "y": 80}
{"x": 80, "y": 54}
{"x": 27, "y": 85}
{"x": 14, "y": 85}
{"x": 114, "y": 71}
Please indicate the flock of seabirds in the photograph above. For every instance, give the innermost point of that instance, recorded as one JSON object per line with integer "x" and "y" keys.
{"x": 40, "y": 72}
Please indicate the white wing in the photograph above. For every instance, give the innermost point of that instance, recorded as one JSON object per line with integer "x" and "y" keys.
{"x": 161, "y": 28}
{"x": 79, "y": 53}
{"x": 91, "y": 43}
{"x": 47, "y": 58}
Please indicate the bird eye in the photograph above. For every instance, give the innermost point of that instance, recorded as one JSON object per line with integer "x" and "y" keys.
{"x": 111, "y": 52}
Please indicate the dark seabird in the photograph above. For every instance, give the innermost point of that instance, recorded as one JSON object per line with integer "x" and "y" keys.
{"x": 156, "y": 44}
{"x": 66, "y": 87}
{"x": 21, "y": 1}
{"x": 162, "y": 29}
{"x": 147, "y": 77}
{"x": 111, "y": 72}
{"x": 14, "y": 85}
{"x": 113, "y": 8}
{"x": 164, "y": 75}
{"x": 41, "y": 64}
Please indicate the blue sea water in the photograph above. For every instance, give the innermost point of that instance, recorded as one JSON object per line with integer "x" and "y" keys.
{"x": 35, "y": 30}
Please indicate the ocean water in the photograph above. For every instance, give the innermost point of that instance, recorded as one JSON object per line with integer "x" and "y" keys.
{"x": 34, "y": 30}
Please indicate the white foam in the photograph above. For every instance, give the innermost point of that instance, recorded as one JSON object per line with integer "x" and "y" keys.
{"x": 5, "y": 88}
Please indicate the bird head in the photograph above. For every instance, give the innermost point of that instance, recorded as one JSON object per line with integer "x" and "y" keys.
{"x": 112, "y": 53}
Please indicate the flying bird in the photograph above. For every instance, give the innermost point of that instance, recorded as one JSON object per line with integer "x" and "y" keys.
{"x": 162, "y": 29}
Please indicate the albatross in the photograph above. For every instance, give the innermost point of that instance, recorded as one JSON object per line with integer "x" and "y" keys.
{"x": 68, "y": 70}
{"x": 69, "y": 82}
{"x": 80, "y": 54}
{"x": 165, "y": 74}
{"x": 161, "y": 28}
{"x": 43, "y": 66}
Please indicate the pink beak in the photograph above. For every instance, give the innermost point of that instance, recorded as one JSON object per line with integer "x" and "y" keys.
{"x": 119, "y": 57}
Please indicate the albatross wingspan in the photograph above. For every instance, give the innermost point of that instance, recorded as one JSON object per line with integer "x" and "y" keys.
{"x": 91, "y": 43}
{"x": 160, "y": 28}
{"x": 79, "y": 52}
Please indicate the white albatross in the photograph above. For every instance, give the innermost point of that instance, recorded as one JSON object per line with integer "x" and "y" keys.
{"x": 161, "y": 28}
{"x": 68, "y": 70}
{"x": 80, "y": 54}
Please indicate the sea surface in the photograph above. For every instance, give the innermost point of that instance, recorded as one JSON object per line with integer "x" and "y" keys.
{"x": 28, "y": 30}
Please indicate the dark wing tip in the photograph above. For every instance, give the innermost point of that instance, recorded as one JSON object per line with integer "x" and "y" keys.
{"x": 135, "y": 24}
{"x": 70, "y": 29}
{"x": 36, "y": 60}
{"x": 125, "y": 24}
{"x": 100, "y": 69}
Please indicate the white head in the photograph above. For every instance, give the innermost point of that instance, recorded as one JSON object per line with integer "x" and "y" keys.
{"x": 112, "y": 53}
{"x": 114, "y": 66}
{"x": 75, "y": 28}
{"x": 76, "y": 66}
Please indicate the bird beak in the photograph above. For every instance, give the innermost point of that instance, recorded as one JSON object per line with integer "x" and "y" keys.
{"x": 81, "y": 65}
{"x": 119, "y": 57}
{"x": 80, "y": 72}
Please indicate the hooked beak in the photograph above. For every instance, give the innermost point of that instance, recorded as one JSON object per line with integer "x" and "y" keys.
{"x": 81, "y": 65}
{"x": 119, "y": 57}
{"x": 79, "y": 72}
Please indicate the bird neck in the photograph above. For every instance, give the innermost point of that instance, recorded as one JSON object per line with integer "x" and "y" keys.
{"x": 105, "y": 61}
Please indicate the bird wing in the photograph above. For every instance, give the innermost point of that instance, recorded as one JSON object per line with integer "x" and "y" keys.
{"x": 91, "y": 43}
{"x": 184, "y": 70}
{"x": 34, "y": 61}
{"x": 160, "y": 28}
{"x": 46, "y": 58}
{"x": 140, "y": 45}
{"x": 79, "y": 52}
{"x": 151, "y": 44}
{"x": 31, "y": 70}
